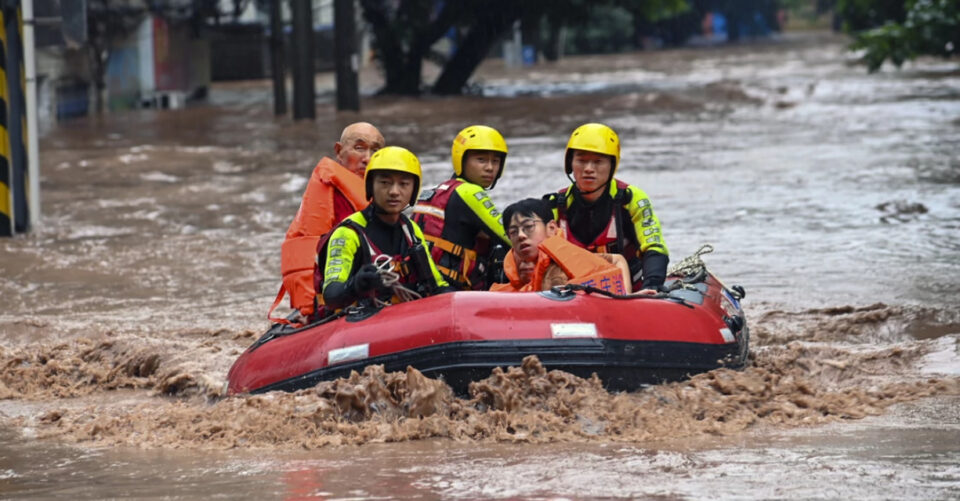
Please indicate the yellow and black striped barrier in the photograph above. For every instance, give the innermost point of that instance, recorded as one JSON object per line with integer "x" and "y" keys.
{"x": 14, "y": 215}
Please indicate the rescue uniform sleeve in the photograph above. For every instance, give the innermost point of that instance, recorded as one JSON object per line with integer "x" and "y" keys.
{"x": 438, "y": 280}
{"x": 479, "y": 202}
{"x": 341, "y": 253}
{"x": 645, "y": 223}
{"x": 654, "y": 269}
{"x": 551, "y": 199}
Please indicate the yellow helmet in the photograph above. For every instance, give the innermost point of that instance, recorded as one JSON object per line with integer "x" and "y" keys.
{"x": 393, "y": 158}
{"x": 478, "y": 137}
{"x": 597, "y": 138}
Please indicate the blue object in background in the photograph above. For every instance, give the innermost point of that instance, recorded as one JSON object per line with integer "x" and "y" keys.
{"x": 73, "y": 100}
{"x": 529, "y": 55}
{"x": 451, "y": 35}
{"x": 719, "y": 25}
{"x": 761, "y": 29}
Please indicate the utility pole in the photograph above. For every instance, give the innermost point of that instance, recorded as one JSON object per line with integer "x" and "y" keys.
{"x": 345, "y": 55}
{"x": 276, "y": 60}
{"x": 16, "y": 178}
{"x": 304, "y": 92}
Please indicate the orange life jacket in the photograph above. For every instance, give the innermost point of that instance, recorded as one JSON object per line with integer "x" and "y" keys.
{"x": 582, "y": 266}
{"x": 298, "y": 254}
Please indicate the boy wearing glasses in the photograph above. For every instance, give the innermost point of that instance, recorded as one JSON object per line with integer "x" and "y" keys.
{"x": 542, "y": 258}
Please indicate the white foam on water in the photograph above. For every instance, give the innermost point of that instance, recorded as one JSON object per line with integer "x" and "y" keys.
{"x": 295, "y": 184}
{"x": 226, "y": 167}
{"x": 107, "y": 203}
{"x": 944, "y": 357}
{"x": 132, "y": 158}
{"x": 160, "y": 177}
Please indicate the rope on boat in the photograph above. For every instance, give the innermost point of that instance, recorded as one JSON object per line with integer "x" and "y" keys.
{"x": 390, "y": 278}
{"x": 589, "y": 289}
{"x": 693, "y": 266}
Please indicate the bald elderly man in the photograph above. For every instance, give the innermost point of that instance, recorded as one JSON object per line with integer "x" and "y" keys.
{"x": 335, "y": 191}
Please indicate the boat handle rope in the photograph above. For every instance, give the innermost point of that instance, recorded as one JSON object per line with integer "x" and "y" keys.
{"x": 691, "y": 265}
{"x": 694, "y": 265}
{"x": 390, "y": 278}
{"x": 589, "y": 289}
{"x": 271, "y": 334}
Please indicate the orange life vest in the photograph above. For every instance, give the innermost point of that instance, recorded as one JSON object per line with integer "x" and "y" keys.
{"x": 582, "y": 266}
{"x": 298, "y": 254}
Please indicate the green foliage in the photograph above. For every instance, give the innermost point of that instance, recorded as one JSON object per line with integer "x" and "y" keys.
{"x": 597, "y": 27}
{"x": 859, "y": 15}
{"x": 931, "y": 27}
{"x": 936, "y": 26}
{"x": 657, "y": 10}
{"x": 889, "y": 41}
{"x": 607, "y": 29}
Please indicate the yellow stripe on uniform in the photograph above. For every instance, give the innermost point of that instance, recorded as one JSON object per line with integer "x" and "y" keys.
{"x": 477, "y": 199}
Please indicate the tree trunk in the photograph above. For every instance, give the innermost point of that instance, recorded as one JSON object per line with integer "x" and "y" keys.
{"x": 642, "y": 28}
{"x": 553, "y": 47}
{"x": 402, "y": 67}
{"x": 475, "y": 47}
{"x": 387, "y": 44}
{"x": 98, "y": 60}
{"x": 733, "y": 24}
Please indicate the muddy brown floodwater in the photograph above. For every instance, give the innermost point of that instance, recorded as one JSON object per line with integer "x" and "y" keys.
{"x": 831, "y": 195}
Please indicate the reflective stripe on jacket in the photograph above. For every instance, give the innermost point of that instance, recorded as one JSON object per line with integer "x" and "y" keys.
{"x": 349, "y": 247}
{"x": 460, "y": 242}
{"x": 647, "y": 233}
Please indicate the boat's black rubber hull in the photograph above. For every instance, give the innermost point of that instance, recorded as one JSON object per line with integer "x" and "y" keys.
{"x": 621, "y": 365}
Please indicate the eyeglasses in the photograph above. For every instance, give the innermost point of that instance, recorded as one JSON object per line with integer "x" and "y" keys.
{"x": 528, "y": 227}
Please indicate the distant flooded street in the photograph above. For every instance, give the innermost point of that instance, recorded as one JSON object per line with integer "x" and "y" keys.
{"x": 832, "y": 196}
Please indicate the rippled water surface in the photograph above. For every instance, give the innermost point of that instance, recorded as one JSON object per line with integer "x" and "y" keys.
{"x": 831, "y": 195}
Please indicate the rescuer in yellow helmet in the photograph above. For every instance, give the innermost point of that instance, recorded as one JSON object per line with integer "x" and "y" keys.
{"x": 459, "y": 218}
{"x": 368, "y": 244}
{"x": 605, "y": 215}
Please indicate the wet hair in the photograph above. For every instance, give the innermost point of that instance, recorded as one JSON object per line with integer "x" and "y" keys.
{"x": 529, "y": 207}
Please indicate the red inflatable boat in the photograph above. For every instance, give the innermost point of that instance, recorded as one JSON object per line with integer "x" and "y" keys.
{"x": 461, "y": 336}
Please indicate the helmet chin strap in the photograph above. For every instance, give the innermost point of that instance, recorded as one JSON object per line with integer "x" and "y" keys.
{"x": 378, "y": 210}
{"x": 578, "y": 190}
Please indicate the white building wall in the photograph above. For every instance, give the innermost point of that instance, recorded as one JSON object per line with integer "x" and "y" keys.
{"x": 144, "y": 41}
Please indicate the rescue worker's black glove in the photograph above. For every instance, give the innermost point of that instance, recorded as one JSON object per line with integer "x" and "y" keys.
{"x": 367, "y": 279}
{"x": 494, "y": 271}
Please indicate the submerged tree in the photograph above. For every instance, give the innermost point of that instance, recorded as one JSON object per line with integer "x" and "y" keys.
{"x": 858, "y": 15}
{"x": 931, "y": 27}
{"x": 405, "y": 32}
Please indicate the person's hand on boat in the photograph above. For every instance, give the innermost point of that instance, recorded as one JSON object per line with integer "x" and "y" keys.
{"x": 367, "y": 279}
{"x": 647, "y": 292}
